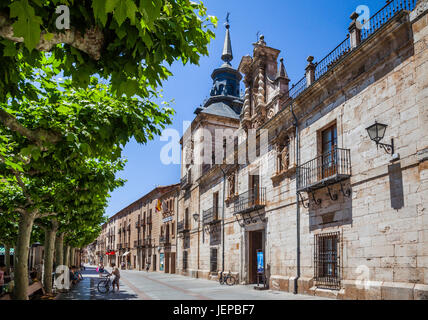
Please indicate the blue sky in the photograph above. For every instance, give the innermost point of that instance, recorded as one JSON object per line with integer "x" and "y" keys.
{"x": 297, "y": 28}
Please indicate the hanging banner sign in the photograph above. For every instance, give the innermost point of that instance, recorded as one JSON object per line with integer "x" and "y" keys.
{"x": 167, "y": 219}
{"x": 260, "y": 262}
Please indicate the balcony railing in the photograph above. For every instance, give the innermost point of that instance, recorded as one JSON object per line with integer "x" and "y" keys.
{"x": 211, "y": 215}
{"x": 253, "y": 199}
{"x": 186, "y": 181}
{"x": 163, "y": 240}
{"x": 328, "y": 168}
{"x": 377, "y": 21}
{"x": 385, "y": 14}
{"x": 147, "y": 242}
{"x": 182, "y": 226}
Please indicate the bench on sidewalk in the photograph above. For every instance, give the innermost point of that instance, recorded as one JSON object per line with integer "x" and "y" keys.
{"x": 6, "y": 297}
{"x": 33, "y": 288}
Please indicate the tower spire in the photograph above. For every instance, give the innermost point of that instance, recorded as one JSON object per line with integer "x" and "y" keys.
{"x": 227, "y": 55}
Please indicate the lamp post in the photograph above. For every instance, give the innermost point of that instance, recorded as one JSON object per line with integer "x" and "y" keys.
{"x": 376, "y": 133}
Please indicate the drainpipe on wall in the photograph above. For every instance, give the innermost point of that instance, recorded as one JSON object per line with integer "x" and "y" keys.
{"x": 199, "y": 225}
{"x": 296, "y": 124}
{"x": 222, "y": 218}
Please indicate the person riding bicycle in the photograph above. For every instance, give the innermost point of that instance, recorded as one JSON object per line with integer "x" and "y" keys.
{"x": 116, "y": 274}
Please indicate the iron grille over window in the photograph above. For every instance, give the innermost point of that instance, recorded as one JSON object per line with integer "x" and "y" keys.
{"x": 184, "y": 260}
{"x": 213, "y": 260}
{"x": 327, "y": 260}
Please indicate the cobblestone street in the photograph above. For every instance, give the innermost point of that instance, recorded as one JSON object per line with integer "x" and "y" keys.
{"x": 141, "y": 285}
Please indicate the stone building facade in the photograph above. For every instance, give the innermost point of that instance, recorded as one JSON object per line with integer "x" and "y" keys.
{"x": 133, "y": 235}
{"x": 331, "y": 210}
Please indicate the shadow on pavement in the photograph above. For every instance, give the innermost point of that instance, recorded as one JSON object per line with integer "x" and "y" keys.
{"x": 86, "y": 289}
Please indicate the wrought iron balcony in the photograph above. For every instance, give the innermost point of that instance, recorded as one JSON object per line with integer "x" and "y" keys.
{"x": 251, "y": 200}
{"x": 163, "y": 240}
{"x": 138, "y": 243}
{"x": 186, "y": 181}
{"x": 147, "y": 242}
{"x": 329, "y": 168}
{"x": 182, "y": 226}
{"x": 210, "y": 216}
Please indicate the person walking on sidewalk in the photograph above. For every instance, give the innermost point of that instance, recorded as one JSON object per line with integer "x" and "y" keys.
{"x": 116, "y": 274}
{"x": 147, "y": 266}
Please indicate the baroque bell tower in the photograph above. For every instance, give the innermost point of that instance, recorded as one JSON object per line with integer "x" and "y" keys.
{"x": 266, "y": 85}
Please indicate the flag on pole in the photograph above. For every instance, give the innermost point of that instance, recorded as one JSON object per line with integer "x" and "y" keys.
{"x": 159, "y": 206}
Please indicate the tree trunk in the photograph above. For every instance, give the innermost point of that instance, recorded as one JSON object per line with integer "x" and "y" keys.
{"x": 72, "y": 256}
{"x": 49, "y": 245}
{"x": 67, "y": 256}
{"x": 21, "y": 255}
{"x": 59, "y": 250}
{"x": 7, "y": 257}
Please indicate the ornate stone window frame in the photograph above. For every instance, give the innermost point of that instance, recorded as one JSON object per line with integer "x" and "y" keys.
{"x": 284, "y": 143}
{"x": 232, "y": 177}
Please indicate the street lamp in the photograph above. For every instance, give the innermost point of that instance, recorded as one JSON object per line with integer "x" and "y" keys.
{"x": 376, "y": 133}
{"x": 196, "y": 216}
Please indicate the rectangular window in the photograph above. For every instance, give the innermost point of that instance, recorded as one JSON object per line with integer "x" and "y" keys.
{"x": 215, "y": 205}
{"x": 327, "y": 260}
{"x": 184, "y": 260}
{"x": 328, "y": 149}
{"x": 186, "y": 218}
{"x": 213, "y": 260}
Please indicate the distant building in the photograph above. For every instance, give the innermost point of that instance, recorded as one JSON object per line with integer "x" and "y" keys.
{"x": 137, "y": 234}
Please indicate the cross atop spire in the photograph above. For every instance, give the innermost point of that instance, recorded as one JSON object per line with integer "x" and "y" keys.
{"x": 227, "y": 55}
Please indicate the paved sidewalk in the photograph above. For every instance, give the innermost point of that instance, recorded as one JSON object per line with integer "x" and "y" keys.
{"x": 87, "y": 289}
{"x": 141, "y": 285}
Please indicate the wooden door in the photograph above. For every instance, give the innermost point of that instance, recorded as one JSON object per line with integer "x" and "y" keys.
{"x": 329, "y": 145}
{"x": 254, "y": 190}
{"x": 172, "y": 262}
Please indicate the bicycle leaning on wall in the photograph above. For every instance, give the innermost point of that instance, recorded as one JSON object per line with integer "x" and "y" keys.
{"x": 228, "y": 279}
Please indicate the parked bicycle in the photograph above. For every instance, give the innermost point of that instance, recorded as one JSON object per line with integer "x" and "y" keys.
{"x": 105, "y": 284}
{"x": 228, "y": 279}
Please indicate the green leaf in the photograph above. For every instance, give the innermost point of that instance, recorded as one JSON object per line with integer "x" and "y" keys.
{"x": 121, "y": 12}
{"x": 100, "y": 11}
{"x": 27, "y": 25}
{"x": 110, "y": 5}
{"x": 10, "y": 49}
